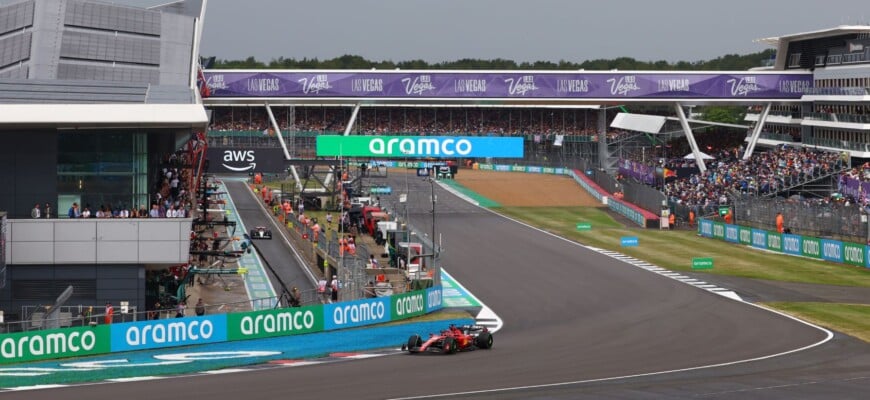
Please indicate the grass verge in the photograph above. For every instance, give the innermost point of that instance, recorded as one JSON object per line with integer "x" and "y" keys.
{"x": 674, "y": 250}
{"x": 851, "y": 319}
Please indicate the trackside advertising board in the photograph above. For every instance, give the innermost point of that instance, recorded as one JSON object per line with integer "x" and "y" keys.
{"x": 732, "y": 233}
{"x": 759, "y": 238}
{"x": 174, "y": 332}
{"x": 419, "y": 146}
{"x": 357, "y": 313}
{"x": 408, "y": 305}
{"x": 795, "y": 245}
{"x": 854, "y": 254}
{"x": 277, "y": 322}
{"x": 811, "y": 247}
{"x": 774, "y": 241}
{"x": 169, "y": 332}
{"x": 791, "y": 244}
{"x": 55, "y": 343}
{"x": 434, "y": 299}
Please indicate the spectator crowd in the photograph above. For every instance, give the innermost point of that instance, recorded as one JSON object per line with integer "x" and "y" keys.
{"x": 764, "y": 173}
{"x": 171, "y": 197}
{"x": 417, "y": 120}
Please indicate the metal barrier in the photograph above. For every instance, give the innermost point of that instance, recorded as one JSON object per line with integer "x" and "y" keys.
{"x": 805, "y": 217}
{"x": 643, "y": 196}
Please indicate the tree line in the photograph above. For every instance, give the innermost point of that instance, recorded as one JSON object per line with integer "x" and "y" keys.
{"x": 734, "y": 62}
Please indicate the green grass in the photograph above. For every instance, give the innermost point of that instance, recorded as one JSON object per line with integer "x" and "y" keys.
{"x": 851, "y": 319}
{"x": 674, "y": 250}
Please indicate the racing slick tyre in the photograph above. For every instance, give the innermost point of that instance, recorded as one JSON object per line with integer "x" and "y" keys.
{"x": 414, "y": 342}
{"x": 449, "y": 345}
{"x": 484, "y": 341}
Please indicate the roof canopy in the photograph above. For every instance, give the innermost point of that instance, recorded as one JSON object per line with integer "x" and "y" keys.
{"x": 66, "y": 116}
{"x": 638, "y": 122}
{"x": 704, "y": 156}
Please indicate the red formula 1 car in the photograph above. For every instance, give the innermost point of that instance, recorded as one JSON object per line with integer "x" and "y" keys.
{"x": 451, "y": 340}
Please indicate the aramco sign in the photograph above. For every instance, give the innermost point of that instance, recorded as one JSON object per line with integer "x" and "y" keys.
{"x": 419, "y": 146}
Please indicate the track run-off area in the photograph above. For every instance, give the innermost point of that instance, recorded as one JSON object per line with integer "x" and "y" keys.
{"x": 578, "y": 322}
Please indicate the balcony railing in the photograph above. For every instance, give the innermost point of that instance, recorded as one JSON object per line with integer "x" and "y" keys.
{"x": 838, "y": 91}
{"x": 784, "y": 113}
{"x": 837, "y": 59}
{"x": 847, "y": 118}
{"x": 838, "y": 144}
{"x": 782, "y": 137}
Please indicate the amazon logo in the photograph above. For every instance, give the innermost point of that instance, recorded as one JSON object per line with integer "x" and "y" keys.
{"x": 237, "y": 157}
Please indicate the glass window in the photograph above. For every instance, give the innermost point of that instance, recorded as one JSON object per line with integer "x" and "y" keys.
{"x": 103, "y": 168}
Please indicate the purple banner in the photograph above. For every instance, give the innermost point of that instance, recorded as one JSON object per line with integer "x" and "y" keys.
{"x": 641, "y": 172}
{"x": 857, "y": 189}
{"x": 458, "y": 85}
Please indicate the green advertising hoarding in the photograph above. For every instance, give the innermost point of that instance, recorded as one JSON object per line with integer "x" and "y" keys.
{"x": 408, "y": 305}
{"x": 719, "y": 230}
{"x": 811, "y": 247}
{"x": 702, "y": 263}
{"x": 774, "y": 241}
{"x": 55, "y": 343}
{"x": 853, "y": 254}
{"x": 271, "y": 323}
{"x": 745, "y": 235}
{"x": 419, "y": 146}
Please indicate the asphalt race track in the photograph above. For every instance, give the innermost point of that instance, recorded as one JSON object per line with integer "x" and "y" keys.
{"x": 574, "y": 322}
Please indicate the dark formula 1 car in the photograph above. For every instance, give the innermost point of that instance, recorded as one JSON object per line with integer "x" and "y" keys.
{"x": 451, "y": 340}
{"x": 261, "y": 232}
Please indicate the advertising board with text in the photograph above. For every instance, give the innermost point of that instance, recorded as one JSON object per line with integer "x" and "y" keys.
{"x": 169, "y": 332}
{"x": 55, "y": 343}
{"x": 419, "y": 146}
{"x": 271, "y": 323}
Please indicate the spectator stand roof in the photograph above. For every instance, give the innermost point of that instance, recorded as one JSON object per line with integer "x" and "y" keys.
{"x": 82, "y": 116}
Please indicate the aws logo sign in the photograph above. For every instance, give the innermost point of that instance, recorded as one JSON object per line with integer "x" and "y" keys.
{"x": 239, "y": 160}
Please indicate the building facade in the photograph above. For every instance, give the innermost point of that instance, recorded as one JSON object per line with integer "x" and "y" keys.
{"x": 95, "y": 97}
{"x": 835, "y": 113}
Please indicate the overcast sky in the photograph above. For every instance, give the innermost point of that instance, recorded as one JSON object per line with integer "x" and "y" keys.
{"x": 530, "y": 30}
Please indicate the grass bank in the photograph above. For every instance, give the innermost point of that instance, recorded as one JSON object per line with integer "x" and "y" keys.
{"x": 674, "y": 250}
{"x": 851, "y": 319}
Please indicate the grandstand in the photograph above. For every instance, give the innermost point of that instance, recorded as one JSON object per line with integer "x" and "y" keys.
{"x": 810, "y": 126}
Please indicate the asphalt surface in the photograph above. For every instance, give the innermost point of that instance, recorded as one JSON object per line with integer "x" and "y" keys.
{"x": 575, "y": 321}
{"x": 277, "y": 252}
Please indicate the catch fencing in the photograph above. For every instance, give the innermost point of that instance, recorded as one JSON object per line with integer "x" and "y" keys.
{"x": 808, "y": 217}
